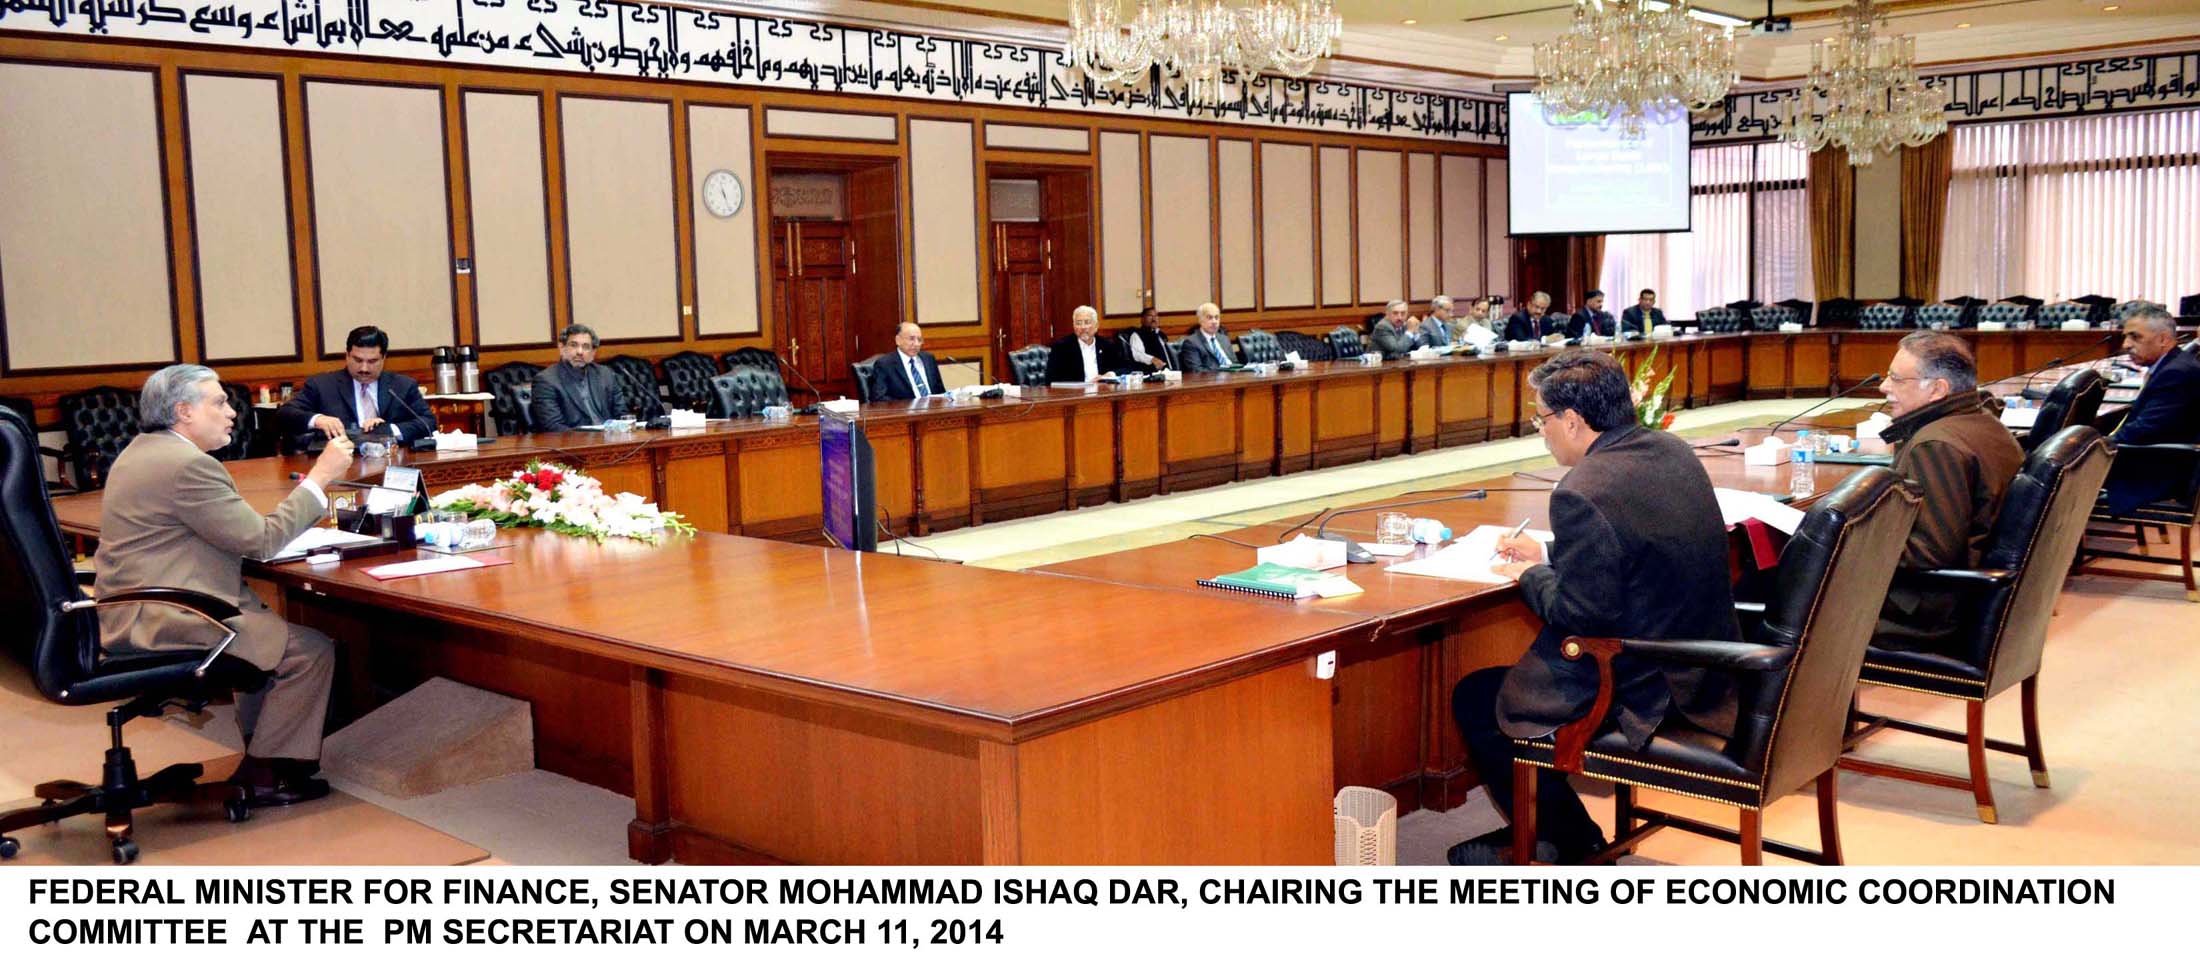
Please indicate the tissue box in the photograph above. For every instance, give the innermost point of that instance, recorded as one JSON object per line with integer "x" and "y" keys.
{"x": 1791, "y": 328}
{"x": 456, "y": 442}
{"x": 683, "y": 418}
{"x": 1773, "y": 451}
{"x": 1992, "y": 326}
{"x": 1371, "y": 358}
{"x": 2077, "y": 325}
{"x": 1422, "y": 354}
{"x": 1303, "y": 551}
{"x": 1662, "y": 331}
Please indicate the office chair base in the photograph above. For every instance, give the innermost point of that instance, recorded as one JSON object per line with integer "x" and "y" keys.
{"x": 121, "y": 792}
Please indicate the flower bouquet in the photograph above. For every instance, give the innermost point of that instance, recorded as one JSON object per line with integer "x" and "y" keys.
{"x": 560, "y": 500}
{"x": 1650, "y": 402}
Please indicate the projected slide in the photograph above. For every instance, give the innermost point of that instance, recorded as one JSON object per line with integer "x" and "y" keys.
{"x": 1584, "y": 176}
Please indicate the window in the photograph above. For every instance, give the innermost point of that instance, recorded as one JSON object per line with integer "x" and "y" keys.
{"x": 1750, "y": 236}
{"x": 2062, "y": 207}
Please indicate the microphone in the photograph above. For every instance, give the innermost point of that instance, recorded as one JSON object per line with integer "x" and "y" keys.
{"x": 425, "y": 443}
{"x": 1775, "y": 429}
{"x": 2033, "y": 375}
{"x": 1356, "y": 554}
{"x": 1726, "y": 443}
{"x": 815, "y": 395}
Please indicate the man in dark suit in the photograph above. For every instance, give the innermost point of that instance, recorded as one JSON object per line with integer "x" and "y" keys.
{"x": 1082, "y": 354}
{"x": 1646, "y": 305}
{"x": 1592, "y": 318}
{"x": 2167, "y": 410}
{"x": 1207, "y": 348}
{"x": 576, "y": 391}
{"x": 1147, "y": 346}
{"x": 360, "y": 396}
{"x": 1529, "y": 323}
{"x": 909, "y": 372}
{"x": 1639, "y": 551}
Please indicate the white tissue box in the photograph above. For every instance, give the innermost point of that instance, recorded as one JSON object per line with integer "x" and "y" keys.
{"x": 1423, "y": 354}
{"x": 1791, "y": 328}
{"x": 1662, "y": 330}
{"x": 683, "y": 418}
{"x": 1773, "y": 451}
{"x": 1992, "y": 326}
{"x": 456, "y": 441}
{"x": 2077, "y": 325}
{"x": 1371, "y": 358}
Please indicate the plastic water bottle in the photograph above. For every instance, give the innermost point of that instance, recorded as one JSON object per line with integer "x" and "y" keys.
{"x": 1802, "y": 472}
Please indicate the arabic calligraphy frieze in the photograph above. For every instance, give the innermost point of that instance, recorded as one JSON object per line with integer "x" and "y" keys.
{"x": 2108, "y": 84}
{"x": 641, "y": 39}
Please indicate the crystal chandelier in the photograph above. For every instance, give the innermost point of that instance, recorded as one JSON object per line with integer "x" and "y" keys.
{"x": 1198, "y": 43}
{"x": 1625, "y": 60}
{"x": 1863, "y": 93}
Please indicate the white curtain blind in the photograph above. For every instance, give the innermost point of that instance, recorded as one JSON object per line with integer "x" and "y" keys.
{"x": 1721, "y": 259}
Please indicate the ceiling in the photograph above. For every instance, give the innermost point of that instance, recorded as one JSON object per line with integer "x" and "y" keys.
{"x": 1465, "y": 46}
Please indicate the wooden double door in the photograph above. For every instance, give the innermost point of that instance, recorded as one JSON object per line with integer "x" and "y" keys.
{"x": 814, "y": 264}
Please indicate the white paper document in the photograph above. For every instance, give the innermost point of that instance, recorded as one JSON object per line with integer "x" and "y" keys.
{"x": 2019, "y": 418}
{"x": 1468, "y": 558}
{"x": 322, "y": 537}
{"x": 430, "y": 565}
{"x": 1737, "y": 505}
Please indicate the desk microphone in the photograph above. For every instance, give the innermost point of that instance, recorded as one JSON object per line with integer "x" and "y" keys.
{"x": 1830, "y": 399}
{"x": 1723, "y": 444}
{"x": 1356, "y": 554}
{"x": 1540, "y": 479}
{"x": 2033, "y": 375}
{"x": 815, "y": 395}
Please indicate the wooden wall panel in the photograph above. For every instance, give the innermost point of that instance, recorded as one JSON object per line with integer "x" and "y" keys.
{"x": 1497, "y": 242}
{"x": 1460, "y": 184}
{"x": 84, "y": 271}
{"x": 787, "y": 123}
{"x": 726, "y": 267}
{"x": 510, "y": 216}
{"x": 1234, "y": 200}
{"x": 1377, "y": 177}
{"x": 619, "y": 224}
{"x": 943, "y": 223}
{"x": 1122, "y": 225}
{"x": 240, "y": 224}
{"x": 1421, "y": 226}
{"x": 1287, "y": 225}
{"x": 381, "y": 213}
{"x": 1038, "y": 138}
{"x": 1183, "y": 232}
{"x": 1336, "y": 226}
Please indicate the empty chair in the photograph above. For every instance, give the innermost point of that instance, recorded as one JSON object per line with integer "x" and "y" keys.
{"x": 1840, "y": 312}
{"x": 638, "y": 382}
{"x": 1967, "y": 308}
{"x": 2004, "y": 604}
{"x": 1718, "y": 320}
{"x": 513, "y": 386}
{"x": 2030, "y": 304}
{"x": 1309, "y": 347}
{"x": 687, "y": 378}
{"x": 1029, "y": 364}
{"x": 1798, "y": 312}
{"x": 2006, "y": 315}
{"x": 2074, "y": 400}
{"x": 2055, "y": 315}
{"x": 1793, "y": 676}
{"x": 861, "y": 372}
{"x": 2098, "y": 305}
{"x": 1257, "y": 346}
{"x": 1767, "y": 317}
{"x": 1884, "y": 317}
{"x": 2181, "y": 512}
{"x": 746, "y": 392}
{"x": 1939, "y": 317}
{"x": 2189, "y": 306}
{"x": 98, "y": 423}
{"x": 1344, "y": 342}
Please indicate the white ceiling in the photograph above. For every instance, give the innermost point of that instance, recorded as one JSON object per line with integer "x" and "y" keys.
{"x": 1454, "y": 46}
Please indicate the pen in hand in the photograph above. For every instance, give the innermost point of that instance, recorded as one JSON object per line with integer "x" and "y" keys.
{"x": 1506, "y": 555}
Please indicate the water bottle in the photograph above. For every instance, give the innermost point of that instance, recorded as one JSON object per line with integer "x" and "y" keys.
{"x": 1802, "y": 472}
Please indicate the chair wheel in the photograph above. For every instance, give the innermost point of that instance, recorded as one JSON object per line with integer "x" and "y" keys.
{"x": 126, "y": 851}
{"x": 238, "y": 810}
{"x": 8, "y": 848}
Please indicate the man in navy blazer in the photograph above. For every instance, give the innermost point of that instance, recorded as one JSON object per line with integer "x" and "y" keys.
{"x": 1592, "y": 318}
{"x": 2167, "y": 410}
{"x": 908, "y": 373}
{"x": 1644, "y": 315}
{"x": 359, "y": 396}
{"x": 1529, "y": 323}
{"x": 576, "y": 391}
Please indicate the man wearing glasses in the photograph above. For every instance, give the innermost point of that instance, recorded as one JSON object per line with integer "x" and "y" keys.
{"x": 1960, "y": 458}
{"x": 1639, "y": 551}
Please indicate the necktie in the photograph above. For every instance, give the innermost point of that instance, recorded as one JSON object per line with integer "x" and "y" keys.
{"x": 1215, "y": 345}
{"x": 916, "y": 378}
{"x": 366, "y": 402}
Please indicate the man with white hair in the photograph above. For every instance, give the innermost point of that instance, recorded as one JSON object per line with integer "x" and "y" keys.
{"x": 2167, "y": 410}
{"x": 172, "y": 517}
{"x": 1083, "y": 355}
{"x": 1207, "y": 348}
{"x": 1393, "y": 336}
{"x": 1436, "y": 328}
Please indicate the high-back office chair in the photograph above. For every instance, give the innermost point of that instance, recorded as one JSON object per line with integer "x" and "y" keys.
{"x": 2054, "y": 315}
{"x": 513, "y": 384}
{"x": 1257, "y": 346}
{"x": 2177, "y": 462}
{"x": 687, "y": 378}
{"x": 1769, "y": 317}
{"x": 1794, "y": 676}
{"x": 638, "y": 382}
{"x": 2002, "y": 619}
{"x": 58, "y": 631}
{"x": 2189, "y": 306}
{"x": 1798, "y": 311}
{"x": 2074, "y": 400}
{"x": 1839, "y": 312}
{"x": 99, "y": 422}
{"x": 862, "y": 372}
{"x": 1883, "y": 317}
{"x": 1718, "y": 320}
{"x": 1308, "y": 346}
{"x": 1344, "y": 342}
{"x": 1939, "y": 317}
{"x": 763, "y": 359}
{"x": 22, "y": 407}
{"x": 2031, "y": 305}
{"x": 2098, "y": 307}
{"x": 1029, "y": 364}
{"x": 1967, "y": 309}
{"x": 745, "y": 392}
{"x": 2004, "y": 314}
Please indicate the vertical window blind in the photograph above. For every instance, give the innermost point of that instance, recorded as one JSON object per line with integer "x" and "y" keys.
{"x": 1749, "y": 235}
{"x": 2063, "y": 207}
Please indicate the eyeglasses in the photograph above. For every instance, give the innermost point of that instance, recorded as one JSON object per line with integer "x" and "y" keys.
{"x": 1899, "y": 379}
{"x": 1540, "y": 415}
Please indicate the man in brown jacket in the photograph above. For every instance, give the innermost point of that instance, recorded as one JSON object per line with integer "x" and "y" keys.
{"x": 1960, "y": 458}
{"x": 172, "y": 517}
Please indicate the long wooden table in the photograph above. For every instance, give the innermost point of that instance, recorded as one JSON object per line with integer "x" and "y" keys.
{"x": 943, "y": 464}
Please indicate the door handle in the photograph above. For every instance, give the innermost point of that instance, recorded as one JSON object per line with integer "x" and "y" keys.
{"x": 1049, "y": 246}
{"x": 794, "y": 353}
{"x": 848, "y": 248}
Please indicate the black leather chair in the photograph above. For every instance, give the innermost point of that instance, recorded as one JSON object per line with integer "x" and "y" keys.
{"x": 687, "y": 378}
{"x": 638, "y": 382}
{"x": 2031, "y": 305}
{"x": 2189, "y": 306}
{"x": 23, "y": 407}
{"x": 760, "y": 358}
{"x": 1967, "y": 308}
{"x": 744, "y": 393}
{"x": 1719, "y": 320}
{"x": 1840, "y": 312}
{"x": 513, "y": 384}
{"x": 2074, "y": 400}
{"x": 1257, "y": 346}
{"x": 1794, "y": 677}
{"x": 2181, "y": 513}
{"x": 1029, "y": 364}
{"x": 1799, "y": 311}
{"x": 1309, "y": 347}
{"x": 2100, "y": 307}
{"x": 99, "y": 422}
{"x": 1344, "y": 342}
{"x": 2004, "y": 606}
{"x": 862, "y": 372}
{"x": 58, "y": 633}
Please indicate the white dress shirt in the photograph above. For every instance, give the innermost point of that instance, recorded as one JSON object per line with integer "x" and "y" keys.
{"x": 914, "y": 368}
{"x": 362, "y": 400}
{"x": 1090, "y": 351}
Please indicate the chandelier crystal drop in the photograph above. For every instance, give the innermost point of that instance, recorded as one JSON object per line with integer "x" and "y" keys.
{"x": 1632, "y": 63}
{"x": 1863, "y": 93}
{"x": 1199, "y": 45}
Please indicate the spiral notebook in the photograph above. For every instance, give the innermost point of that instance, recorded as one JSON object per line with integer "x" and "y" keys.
{"x": 1278, "y": 580}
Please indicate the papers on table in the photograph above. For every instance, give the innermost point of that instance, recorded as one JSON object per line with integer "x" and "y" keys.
{"x": 2020, "y": 418}
{"x": 1469, "y": 558}
{"x": 1737, "y": 505}
{"x": 433, "y": 565}
{"x": 321, "y": 537}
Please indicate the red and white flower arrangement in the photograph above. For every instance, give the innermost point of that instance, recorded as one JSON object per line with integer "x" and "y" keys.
{"x": 560, "y": 500}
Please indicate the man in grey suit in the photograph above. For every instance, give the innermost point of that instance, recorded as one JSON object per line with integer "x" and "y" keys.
{"x": 1639, "y": 550}
{"x": 172, "y": 517}
{"x": 1393, "y": 336}
{"x": 1208, "y": 348}
{"x": 1437, "y": 329}
{"x": 576, "y": 391}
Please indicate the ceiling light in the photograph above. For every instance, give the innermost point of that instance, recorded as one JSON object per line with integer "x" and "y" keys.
{"x": 1409, "y": 21}
{"x": 1501, "y": 37}
{"x": 1712, "y": 17}
{"x": 1963, "y": 26}
{"x": 2111, "y": 8}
